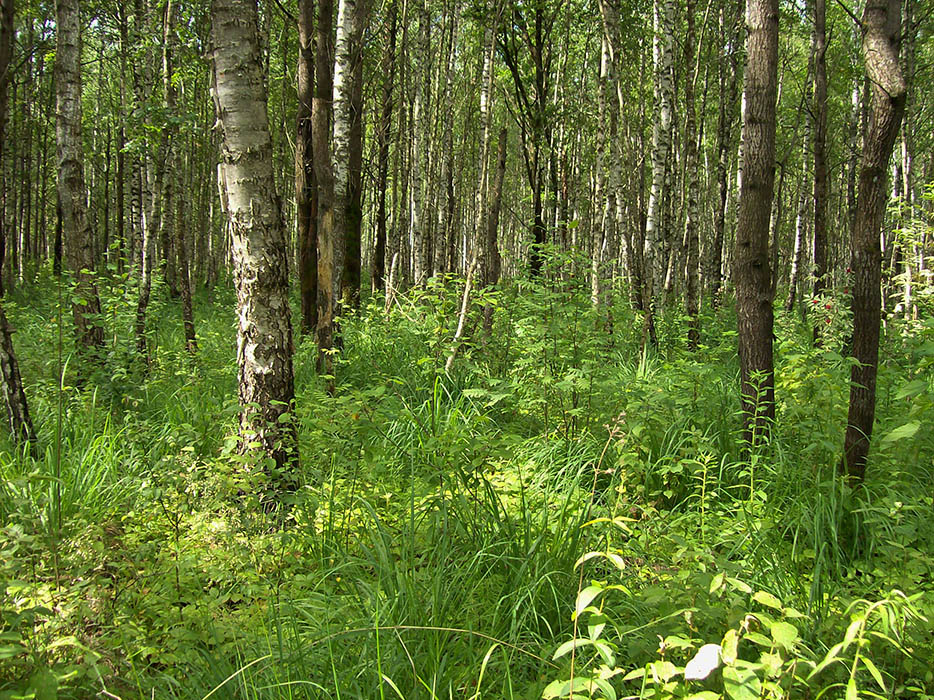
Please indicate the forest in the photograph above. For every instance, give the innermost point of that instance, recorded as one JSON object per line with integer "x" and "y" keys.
{"x": 474, "y": 349}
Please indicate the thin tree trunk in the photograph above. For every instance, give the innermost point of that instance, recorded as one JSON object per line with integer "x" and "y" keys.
{"x": 820, "y": 151}
{"x": 173, "y": 220}
{"x": 492, "y": 262}
{"x": 76, "y": 228}
{"x": 378, "y": 272}
{"x": 348, "y": 98}
{"x": 14, "y": 396}
{"x": 662, "y": 49}
{"x": 881, "y": 37}
{"x": 306, "y": 190}
{"x": 329, "y": 214}
{"x": 692, "y": 292}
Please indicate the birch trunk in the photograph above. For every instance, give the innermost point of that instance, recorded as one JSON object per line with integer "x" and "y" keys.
{"x": 692, "y": 293}
{"x": 264, "y": 329}
{"x": 662, "y": 49}
{"x": 72, "y": 193}
{"x": 329, "y": 215}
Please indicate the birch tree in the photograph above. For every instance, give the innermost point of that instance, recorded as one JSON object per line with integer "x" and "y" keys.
{"x": 76, "y": 229}
{"x": 264, "y": 328}
{"x": 662, "y": 49}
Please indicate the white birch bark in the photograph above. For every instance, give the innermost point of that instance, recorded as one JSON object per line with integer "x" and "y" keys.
{"x": 662, "y": 49}
{"x": 264, "y": 328}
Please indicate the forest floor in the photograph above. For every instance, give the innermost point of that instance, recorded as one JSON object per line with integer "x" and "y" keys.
{"x": 557, "y": 513}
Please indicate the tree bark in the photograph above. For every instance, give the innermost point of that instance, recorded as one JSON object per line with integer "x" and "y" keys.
{"x": 306, "y": 190}
{"x": 348, "y": 140}
{"x": 881, "y": 37}
{"x": 662, "y": 49}
{"x": 691, "y": 291}
{"x": 14, "y": 396}
{"x": 819, "y": 145}
{"x": 751, "y": 266}
{"x": 264, "y": 330}
{"x": 329, "y": 214}
{"x": 71, "y": 189}
{"x": 378, "y": 272}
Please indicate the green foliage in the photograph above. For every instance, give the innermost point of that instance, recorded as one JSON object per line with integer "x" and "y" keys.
{"x": 565, "y": 514}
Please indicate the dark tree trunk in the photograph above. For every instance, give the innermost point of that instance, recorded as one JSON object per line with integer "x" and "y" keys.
{"x": 820, "y": 150}
{"x": 881, "y": 35}
{"x": 751, "y": 266}
{"x": 10, "y": 381}
{"x": 383, "y": 139}
{"x": 328, "y": 225}
{"x": 306, "y": 189}
{"x": 353, "y": 206}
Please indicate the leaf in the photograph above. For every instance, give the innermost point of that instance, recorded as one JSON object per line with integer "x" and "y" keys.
{"x": 827, "y": 660}
{"x": 704, "y": 695}
{"x": 785, "y": 634}
{"x": 585, "y": 598}
{"x": 634, "y": 674}
{"x": 912, "y": 388}
{"x": 904, "y": 431}
{"x": 767, "y": 599}
{"x": 717, "y": 582}
{"x": 875, "y": 672}
{"x": 595, "y": 625}
{"x": 44, "y": 685}
{"x": 663, "y": 671}
{"x": 741, "y": 586}
{"x": 602, "y": 647}
{"x": 851, "y": 693}
{"x": 757, "y": 638}
{"x": 728, "y": 648}
{"x": 741, "y": 683}
{"x": 705, "y": 661}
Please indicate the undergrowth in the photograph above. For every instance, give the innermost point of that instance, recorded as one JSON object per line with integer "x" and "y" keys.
{"x": 565, "y": 514}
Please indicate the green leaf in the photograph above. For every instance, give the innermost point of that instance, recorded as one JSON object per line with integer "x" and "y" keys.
{"x": 912, "y": 388}
{"x": 851, "y": 693}
{"x": 785, "y": 634}
{"x": 585, "y": 598}
{"x": 904, "y": 431}
{"x": 634, "y": 674}
{"x": 757, "y": 638}
{"x": 875, "y": 672}
{"x": 663, "y": 671}
{"x": 767, "y": 599}
{"x": 602, "y": 647}
{"x": 741, "y": 683}
{"x": 44, "y": 684}
{"x": 728, "y": 648}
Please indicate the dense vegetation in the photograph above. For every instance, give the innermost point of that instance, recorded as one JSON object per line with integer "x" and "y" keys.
{"x": 466, "y": 349}
{"x": 447, "y": 526}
